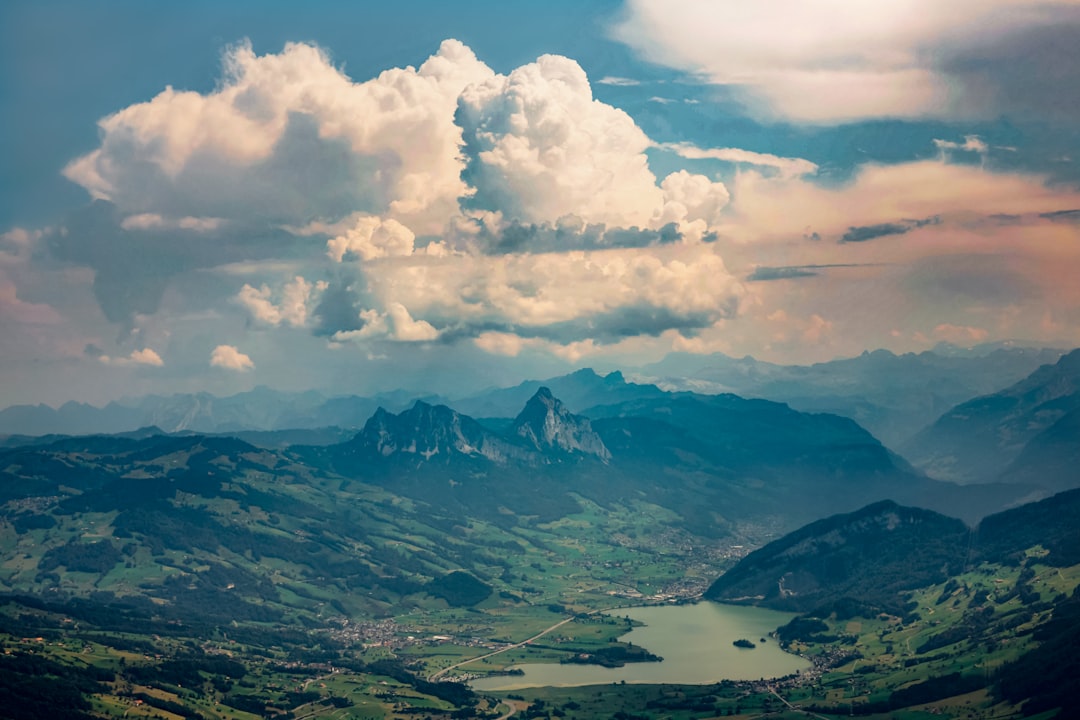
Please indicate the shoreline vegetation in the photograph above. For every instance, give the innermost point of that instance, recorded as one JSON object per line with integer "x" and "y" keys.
{"x": 616, "y": 656}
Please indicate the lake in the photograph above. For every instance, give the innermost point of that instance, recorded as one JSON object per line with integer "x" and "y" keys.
{"x": 695, "y": 642}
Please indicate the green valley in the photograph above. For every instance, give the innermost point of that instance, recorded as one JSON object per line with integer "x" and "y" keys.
{"x": 202, "y": 576}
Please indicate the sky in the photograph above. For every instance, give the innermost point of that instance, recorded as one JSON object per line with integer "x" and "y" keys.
{"x": 353, "y": 198}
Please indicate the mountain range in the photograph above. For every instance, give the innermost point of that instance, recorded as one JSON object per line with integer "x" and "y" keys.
{"x": 1026, "y": 433}
{"x": 548, "y": 509}
{"x": 892, "y": 396}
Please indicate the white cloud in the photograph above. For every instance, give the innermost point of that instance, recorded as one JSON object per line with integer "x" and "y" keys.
{"x": 146, "y": 356}
{"x": 618, "y": 81}
{"x": 288, "y": 136}
{"x": 688, "y": 198}
{"x": 542, "y": 147}
{"x": 370, "y": 238}
{"x": 408, "y": 330}
{"x": 230, "y": 358}
{"x": 972, "y": 143}
{"x": 295, "y": 299}
{"x": 500, "y": 343}
{"x": 786, "y": 167}
{"x": 395, "y": 324}
{"x": 778, "y": 208}
{"x": 662, "y": 286}
{"x": 830, "y": 60}
{"x": 153, "y": 221}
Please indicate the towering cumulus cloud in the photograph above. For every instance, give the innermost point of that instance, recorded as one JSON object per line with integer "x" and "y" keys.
{"x": 450, "y": 202}
{"x": 541, "y": 147}
{"x": 289, "y": 137}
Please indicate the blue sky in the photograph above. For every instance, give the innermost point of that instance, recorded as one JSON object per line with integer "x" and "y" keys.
{"x": 209, "y": 196}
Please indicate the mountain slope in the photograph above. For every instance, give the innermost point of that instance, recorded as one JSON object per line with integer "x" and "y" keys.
{"x": 871, "y": 554}
{"x": 1051, "y": 459}
{"x": 978, "y": 440}
{"x": 875, "y": 553}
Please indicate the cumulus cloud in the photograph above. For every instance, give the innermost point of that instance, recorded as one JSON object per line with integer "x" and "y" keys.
{"x": 540, "y": 148}
{"x": 406, "y": 329}
{"x": 370, "y": 238}
{"x": 289, "y": 137}
{"x": 230, "y": 358}
{"x": 191, "y": 180}
{"x": 513, "y": 212}
{"x": 500, "y": 343}
{"x": 396, "y": 324}
{"x": 847, "y": 59}
{"x": 564, "y": 297}
{"x": 292, "y": 307}
{"x": 690, "y": 198}
{"x": 145, "y": 356}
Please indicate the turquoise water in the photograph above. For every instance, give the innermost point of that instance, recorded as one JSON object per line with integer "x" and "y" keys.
{"x": 695, "y": 642}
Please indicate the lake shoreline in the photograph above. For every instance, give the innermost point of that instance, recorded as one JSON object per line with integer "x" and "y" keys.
{"x": 695, "y": 640}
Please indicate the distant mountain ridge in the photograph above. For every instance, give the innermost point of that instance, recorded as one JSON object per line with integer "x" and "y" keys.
{"x": 715, "y": 460}
{"x": 264, "y": 409}
{"x": 893, "y": 396}
{"x": 985, "y": 439}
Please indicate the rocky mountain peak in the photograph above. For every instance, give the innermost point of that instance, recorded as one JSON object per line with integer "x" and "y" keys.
{"x": 547, "y": 425}
{"x": 430, "y": 431}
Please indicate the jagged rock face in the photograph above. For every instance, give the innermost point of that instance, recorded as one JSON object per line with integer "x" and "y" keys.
{"x": 430, "y": 431}
{"x": 547, "y": 425}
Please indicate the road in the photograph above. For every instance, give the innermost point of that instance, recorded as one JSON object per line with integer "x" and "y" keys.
{"x": 435, "y": 676}
{"x": 795, "y": 707}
